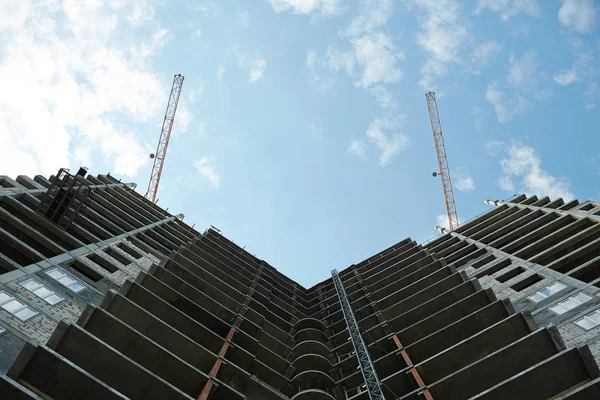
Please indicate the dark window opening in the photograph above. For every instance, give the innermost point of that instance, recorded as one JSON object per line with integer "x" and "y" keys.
{"x": 527, "y": 282}
{"x": 510, "y": 274}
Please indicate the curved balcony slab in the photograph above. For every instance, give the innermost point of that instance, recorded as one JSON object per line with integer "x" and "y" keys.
{"x": 312, "y": 394}
{"x": 310, "y": 334}
{"x": 313, "y": 379}
{"x": 311, "y": 347}
{"x": 309, "y": 323}
{"x": 311, "y": 361}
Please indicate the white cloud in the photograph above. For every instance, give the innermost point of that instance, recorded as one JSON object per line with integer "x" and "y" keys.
{"x": 578, "y": 15}
{"x": 505, "y": 183}
{"x": 381, "y": 135}
{"x": 374, "y": 14}
{"x": 463, "y": 182}
{"x": 590, "y": 107}
{"x": 207, "y": 171}
{"x": 243, "y": 19}
{"x": 325, "y": 7}
{"x": 384, "y": 97}
{"x": 442, "y": 36}
{"x": 220, "y": 72}
{"x": 442, "y": 220}
{"x": 201, "y": 129}
{"x": 79, "y": 78}
{"x": 566, "y": 77}
{"x": 374, "y": 53}
{"x": 525, "y": 82}
{"x": 311, "y": 58}
{"x": 582, "y": 68}
{"x": 522, "y": 73}
{"x": 509, "y": 8}
{"x": 479, "y": 114}
{"x": 338, "y": 60}
{"x": 256, "y": 67}
{"x": 320, "y": 84}
{"x": 356, "y": 148}
{"x": 389, "y": 145}
{"x": 482, "y": 54}
{"x": 523, "y": 163}
{"x": 494, "y": 147}
{"x": 506, "y": 108}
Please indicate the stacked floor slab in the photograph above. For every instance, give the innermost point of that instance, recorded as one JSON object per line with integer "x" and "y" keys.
{"x": 205, "y": 319}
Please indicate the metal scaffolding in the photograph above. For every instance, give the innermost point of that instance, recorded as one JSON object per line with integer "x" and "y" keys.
{"x": 360, "y": 349}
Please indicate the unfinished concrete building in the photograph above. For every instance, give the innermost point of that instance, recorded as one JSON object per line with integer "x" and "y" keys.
{"x": 105, "y": 296}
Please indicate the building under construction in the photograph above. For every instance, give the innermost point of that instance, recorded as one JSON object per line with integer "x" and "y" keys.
{"x": 105, "y": 295}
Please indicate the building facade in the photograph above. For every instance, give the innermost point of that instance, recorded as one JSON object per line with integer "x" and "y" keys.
{"x": 105, "y": 295}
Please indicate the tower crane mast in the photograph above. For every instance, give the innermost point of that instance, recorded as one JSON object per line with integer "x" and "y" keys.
{"x": 163, "y": 141}
{"x": 444, "y": 170}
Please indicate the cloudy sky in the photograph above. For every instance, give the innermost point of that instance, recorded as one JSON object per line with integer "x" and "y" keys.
{"x": 303, "y": 130}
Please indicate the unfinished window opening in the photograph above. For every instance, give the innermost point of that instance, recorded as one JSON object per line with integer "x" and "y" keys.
{"x": 586, "y": 207}
{"x": 470, "y": 256}
{"x": 480, "y": 219}
{"x": 518, "y": 234}
{"x": 25, "y": 238}
{"x": 535, "y": 219}
{"x": 510, "y": 274}
{"x": 494, "y": 268}
{"x": 561, "y": 252}
{"x": 65, "y": 280}
{"x": 569, "y": 205}
{"x": 103, "y": 223}
{"x": 23, "y": 217}
{"x": 590, "y": 321}
{"x": 86, "y": 271}
{"x": 578, "y": 258}
{"x": 522, "y": 218}
{"x": 15, "y": 307}
{"x": 485, "y": 260}
{"x": 508, "y": 216}
{"x": 542, "y": 245}
{"x": 41, "y": 291}
{"x": 129, "y": 250}
{"x": 546, "y": 292}
{"x": 571, "y": 303}
{"x": 441, "y": 245}
{"x": 117, "y": 255}
{"x": 452, "y": 251}
{"x": 20, "y": 257}
{"x": 102, "y": 262}
{"x": 527, "y": 282}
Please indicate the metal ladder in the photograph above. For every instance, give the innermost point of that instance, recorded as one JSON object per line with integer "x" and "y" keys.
{"x": 362, "y": 354}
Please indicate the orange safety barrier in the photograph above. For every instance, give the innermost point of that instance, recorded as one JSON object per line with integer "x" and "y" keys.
{"x": 413, "y": 370}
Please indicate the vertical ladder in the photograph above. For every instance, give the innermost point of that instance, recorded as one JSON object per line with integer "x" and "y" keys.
{"x": 360, "y": 349}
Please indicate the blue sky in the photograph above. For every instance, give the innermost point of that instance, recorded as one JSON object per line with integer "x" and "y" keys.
{"x": 303, "y": 130}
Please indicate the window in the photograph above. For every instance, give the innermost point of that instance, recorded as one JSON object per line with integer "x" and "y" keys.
{"x": 546, "y": 292}
{"x": 41, "y": 291}
{"x": 65, "y": 280}
{"x": 570, "y": 303}
{"x": 15, "y": 307}
{"x": 589, "y": 321}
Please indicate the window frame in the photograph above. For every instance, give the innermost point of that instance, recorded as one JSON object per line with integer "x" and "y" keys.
{"x": 49, "y": 296}
{"x": 571, "y": 299}
{"x": 19, "y": 310}
{"x": 588, "y": 319}
{"x": 64, "y": 275}
{"x": 545, "y": 296}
